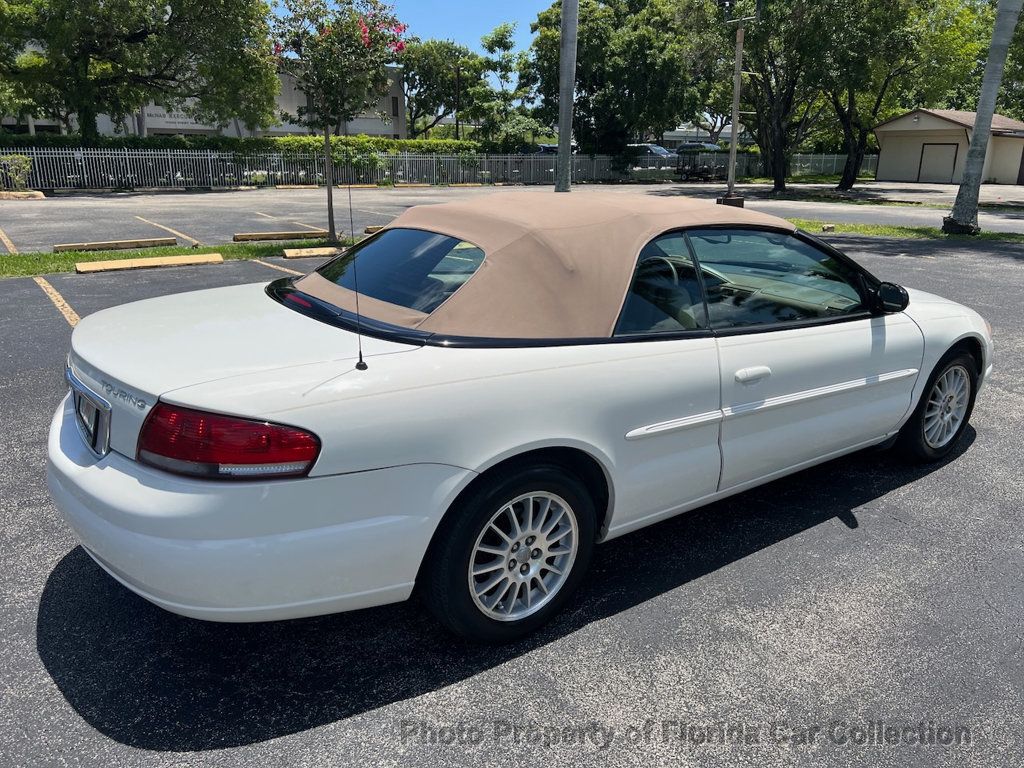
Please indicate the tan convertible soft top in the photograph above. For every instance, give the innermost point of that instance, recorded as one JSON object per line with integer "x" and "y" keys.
{"x": 555, "y": 265}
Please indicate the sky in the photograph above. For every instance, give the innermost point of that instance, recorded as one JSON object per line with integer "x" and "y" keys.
{"x": 466, "y": 21}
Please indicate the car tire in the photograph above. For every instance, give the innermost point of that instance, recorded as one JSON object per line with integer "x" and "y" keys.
{"x": 478, "y": 533}
{"x": 945, "y": 408}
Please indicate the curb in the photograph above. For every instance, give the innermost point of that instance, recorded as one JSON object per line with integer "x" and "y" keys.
{"x": 85, "y": 267}
{"x": 305, "y": 253}
{"x": 244, "y": 237}
{"x": 116, "y": 245}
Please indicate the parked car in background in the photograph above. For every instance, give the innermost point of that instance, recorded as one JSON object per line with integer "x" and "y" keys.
{"x": 698, "y": 146}
{"x": 552, "y": 149}
{"x": 522, "y": 376}
{"x": 648, "y": 150}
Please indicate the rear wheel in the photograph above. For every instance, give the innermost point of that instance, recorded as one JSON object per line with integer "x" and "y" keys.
{"x": 510, "y": 554}
{"x": 945, "y": 408}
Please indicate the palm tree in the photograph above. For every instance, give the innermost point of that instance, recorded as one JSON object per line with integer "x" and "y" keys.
{"x": 964, "y": 218}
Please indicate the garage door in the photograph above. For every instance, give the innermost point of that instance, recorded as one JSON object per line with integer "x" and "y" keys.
{"x": 937, "y": 163}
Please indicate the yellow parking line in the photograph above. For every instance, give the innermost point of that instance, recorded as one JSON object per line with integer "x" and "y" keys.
{"x": 174, "y": 232}
{"x": 58, "y": 301}
{"x": 275, "y": 266}
{"x": 7, "y": 242}
{"x": 297, "y": 223}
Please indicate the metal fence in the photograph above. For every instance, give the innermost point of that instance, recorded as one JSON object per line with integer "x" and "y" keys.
{"x": 828, "y": 165}
{"x": 62, "y": 169}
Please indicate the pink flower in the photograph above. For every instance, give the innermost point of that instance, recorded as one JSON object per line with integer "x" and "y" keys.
{"x": 278, "y": 49}
{"x": 364, "y": 33}
{"x": 398, "y": 46}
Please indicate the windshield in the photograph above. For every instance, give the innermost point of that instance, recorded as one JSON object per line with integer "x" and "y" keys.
{"x": 410, "y": 268}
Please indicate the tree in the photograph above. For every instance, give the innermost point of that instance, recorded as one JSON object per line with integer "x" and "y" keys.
{"x": 964, "y": 217}
{"x": 870, "y": 48}
{"x": 86, "y": 57}
{"x": 491, "y": 107}
{"x": 515, "y": 133}
{"x": 781, "y": 53}
{"x": 950, "y": 54}
{"x": 1011, "y": 100}
{"x": 637, "y": 69}
{"x": 717, "y": 110}
{"x": 338, "y": 53}
{"x": 437, "y": 78}
{"x": 880, "y": 50}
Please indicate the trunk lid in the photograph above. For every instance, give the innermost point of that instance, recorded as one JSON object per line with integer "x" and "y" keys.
{"x": 132, "y": 354}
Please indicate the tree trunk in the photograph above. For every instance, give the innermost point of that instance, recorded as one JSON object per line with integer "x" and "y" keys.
{"x": 851, "y": 168}
{"x": 856, "y": 140}
{"x": 332, "y": 234}
{"x": 964, "y": 217}
{"x": 778, "y": 160}
{"x": 87, "y": 129}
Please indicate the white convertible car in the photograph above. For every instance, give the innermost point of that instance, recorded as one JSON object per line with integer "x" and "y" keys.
{"x": 463, "y": 404}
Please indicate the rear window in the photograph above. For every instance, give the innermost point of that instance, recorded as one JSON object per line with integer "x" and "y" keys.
{"x": 411, "y": 268}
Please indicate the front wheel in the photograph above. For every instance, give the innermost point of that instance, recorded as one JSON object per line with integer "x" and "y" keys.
{"x": 510, "y": 555}
{"x": 941, "y": 417}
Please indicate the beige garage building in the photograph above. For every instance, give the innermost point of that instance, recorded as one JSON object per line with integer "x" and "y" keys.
{"x": 930, "y": 145}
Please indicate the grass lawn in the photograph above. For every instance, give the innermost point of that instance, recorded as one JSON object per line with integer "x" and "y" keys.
{"x": 855, "y": 195}
{"x": 890, "y": 230}
{"x": 27, "y": 264}
{"x": 810, "y": 178}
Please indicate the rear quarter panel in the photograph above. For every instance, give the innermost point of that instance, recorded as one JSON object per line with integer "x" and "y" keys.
{"x": 472, "y": 408}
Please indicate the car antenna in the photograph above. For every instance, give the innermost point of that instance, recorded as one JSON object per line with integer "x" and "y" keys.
{"x": 361, "y": 365}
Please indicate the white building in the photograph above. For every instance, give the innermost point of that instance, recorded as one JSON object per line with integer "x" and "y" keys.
{"x": 690, "y": 133}
{"x": 155, "y": 120}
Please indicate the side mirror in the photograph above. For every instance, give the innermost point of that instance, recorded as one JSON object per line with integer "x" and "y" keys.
{"x": 891, "y": 297}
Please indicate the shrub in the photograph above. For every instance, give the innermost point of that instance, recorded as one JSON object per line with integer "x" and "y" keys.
{"x": 14, "y": 171}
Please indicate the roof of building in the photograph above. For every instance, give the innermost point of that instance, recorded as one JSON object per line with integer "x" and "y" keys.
{"x": 555, "y": 265}
{"x": 1000, "y": 123}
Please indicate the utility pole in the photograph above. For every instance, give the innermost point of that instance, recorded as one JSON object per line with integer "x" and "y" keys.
{"x": 566, "y": 93}
{"x": 737, "y": 83}
{"x": 731, "y": 198}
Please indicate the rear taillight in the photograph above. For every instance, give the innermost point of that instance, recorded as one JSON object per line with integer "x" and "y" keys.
{"x": 190, "y": 442}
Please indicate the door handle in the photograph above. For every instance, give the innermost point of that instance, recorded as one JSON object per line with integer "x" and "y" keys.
{"x": 752, "y": 375}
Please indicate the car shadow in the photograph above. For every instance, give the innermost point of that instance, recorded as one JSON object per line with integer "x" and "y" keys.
{"x": 156, "y": 681}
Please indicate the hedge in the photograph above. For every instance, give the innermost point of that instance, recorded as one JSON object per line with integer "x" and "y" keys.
{"x": 342, "y": 146}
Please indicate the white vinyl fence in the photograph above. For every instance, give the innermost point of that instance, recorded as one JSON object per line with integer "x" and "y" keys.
{"x": 64, "y": 169}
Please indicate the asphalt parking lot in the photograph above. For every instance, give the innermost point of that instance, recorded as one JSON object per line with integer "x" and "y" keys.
{"x": 212, "y": 218}
{"x": 859, "y": 591}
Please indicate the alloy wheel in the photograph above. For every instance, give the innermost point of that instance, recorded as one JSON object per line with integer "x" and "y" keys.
{"x": 947, "y": 406}
{"x": 523, "y": 556}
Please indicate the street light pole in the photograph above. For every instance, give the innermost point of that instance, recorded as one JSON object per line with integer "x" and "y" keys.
{"x": 566, "y": 93}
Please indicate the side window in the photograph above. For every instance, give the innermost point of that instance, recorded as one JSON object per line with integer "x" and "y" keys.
{"x": 664, "y": 296}
{"x": 756, "y": 278}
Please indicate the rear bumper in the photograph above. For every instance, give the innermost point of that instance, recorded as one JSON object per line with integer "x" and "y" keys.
{"x": 245, "y": 551}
